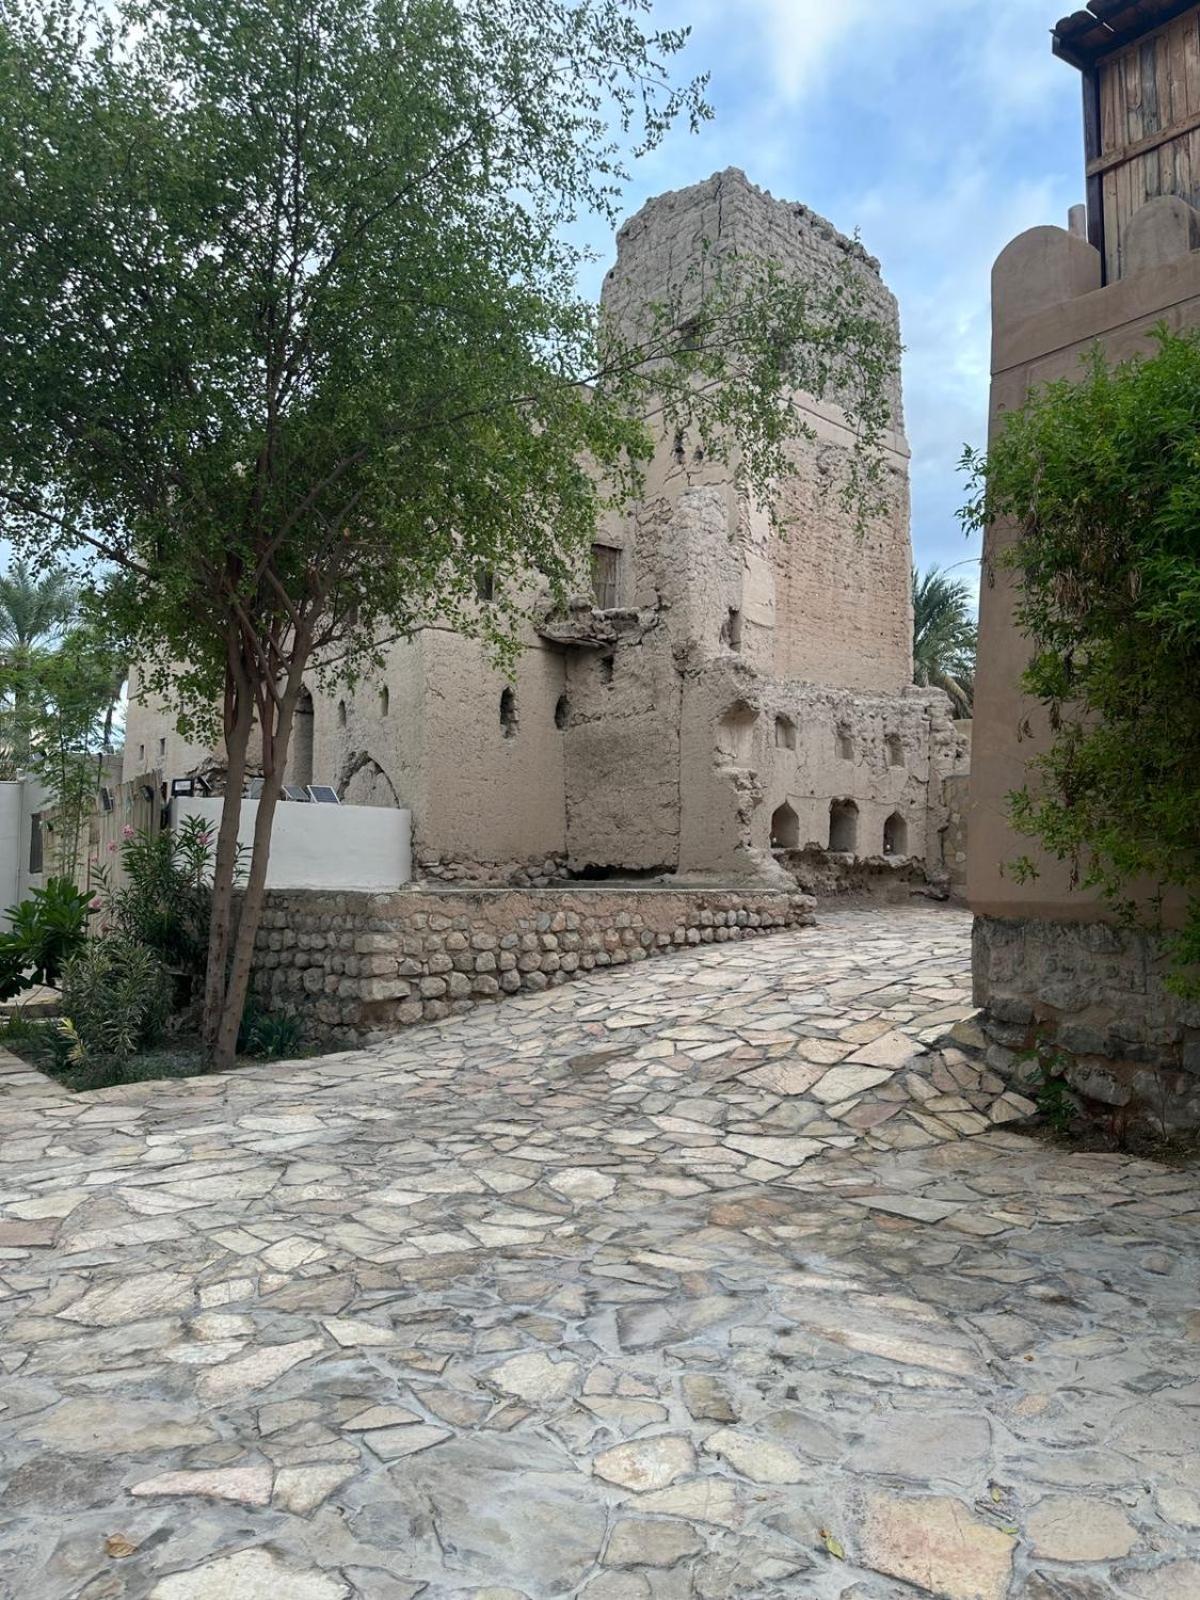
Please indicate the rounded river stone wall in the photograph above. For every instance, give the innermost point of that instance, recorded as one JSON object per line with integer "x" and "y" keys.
{"x": 355, "y": 966}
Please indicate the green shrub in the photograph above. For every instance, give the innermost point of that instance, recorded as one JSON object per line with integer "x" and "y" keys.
{"x": 116, "y": 999}
{"x": 270, "y": 1035}
{"x": 46, "y": 931}
{"x": 165, "y": 902}
{"x": 1100, "y": 481}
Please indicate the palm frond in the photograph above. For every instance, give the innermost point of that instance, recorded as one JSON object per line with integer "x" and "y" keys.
{"x": 945, "y": 636}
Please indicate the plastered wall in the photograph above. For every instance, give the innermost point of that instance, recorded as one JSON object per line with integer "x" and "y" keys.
{"x": 1049, "y": 311}
{"x": 642, "y": 738}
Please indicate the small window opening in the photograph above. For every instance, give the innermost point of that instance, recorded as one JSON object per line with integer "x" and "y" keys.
{"x": 677, "y": 448}
{"x": 508, "y": 714}
{"x": 385, "y": 701}
{"x": 300, "y": 765}
{"x": 731, "y": 633}
{"x": 895, "y": 750}
{"x": 785, "y": 829}
{"x": 785, "y": 733}
{"x": 607, "y": 666}
{"x": 162, "y": 748}
{"x": 895, "y": 835}
{"x": 735, "y": 734}
{"x": 36, "y": 859}
{"x": 845, "y": 744}
{"x": 485, "y": 583}
{"x": 562, "y": 711}
{"x": 843, "y": 827}
{"x": 691, "y": 334}
{"x": 142, "y": 756}
{"x": 341, "y": 714}
{"x": 606, "y": 576}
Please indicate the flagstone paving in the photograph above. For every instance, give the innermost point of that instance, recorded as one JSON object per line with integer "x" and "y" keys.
{"x": 698, "y": 1281}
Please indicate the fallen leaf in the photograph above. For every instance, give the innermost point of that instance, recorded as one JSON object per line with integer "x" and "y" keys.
{"x": 835, "y": 1547}
{"x": 117, "y": 1546}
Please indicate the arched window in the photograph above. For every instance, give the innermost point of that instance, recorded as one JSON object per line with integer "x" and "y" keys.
{"x": 341, "y": 713}
{"x": 843, "y": 827}
{"x": 895, "y": 750}
{"x": 895, "y": 835}
{"x": 785, "y": 829}
{"x": 508, "y": 714}
{"x": 562, "y": 711}
{"x": 785, "y": 733}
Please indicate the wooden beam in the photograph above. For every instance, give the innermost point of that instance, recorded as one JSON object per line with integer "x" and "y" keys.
{"x": 1092, "y": 144}
{"x": 1108, "y": 26}
{"x": 1098, "y": 166}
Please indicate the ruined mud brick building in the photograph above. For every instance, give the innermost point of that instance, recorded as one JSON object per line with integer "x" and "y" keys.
{"x": 1051, "y": 962}
{"x": 726, "y": 693}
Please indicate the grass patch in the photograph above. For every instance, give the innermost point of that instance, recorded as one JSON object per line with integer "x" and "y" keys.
{"x": 183, "y": 1057}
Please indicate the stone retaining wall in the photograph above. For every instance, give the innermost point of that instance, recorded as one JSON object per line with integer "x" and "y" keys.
{"x": 358, "y": 965}
{"x": 1094, "y": 998}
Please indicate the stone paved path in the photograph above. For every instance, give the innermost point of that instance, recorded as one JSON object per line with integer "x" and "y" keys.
{"x": 698, "y": 1281}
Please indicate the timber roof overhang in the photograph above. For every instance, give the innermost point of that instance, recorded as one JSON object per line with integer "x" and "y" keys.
{"x": 1086, "y": 37}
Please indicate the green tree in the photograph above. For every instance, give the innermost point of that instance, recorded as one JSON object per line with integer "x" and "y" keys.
{"x": 290, "y": 337}
{"x": 1098, "y": 483}
{"x": 945, "y": 637}
{"x": 62, "y": 706}
{"x": 33, "y": 614}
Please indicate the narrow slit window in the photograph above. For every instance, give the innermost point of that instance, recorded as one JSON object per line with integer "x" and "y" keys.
{"x": 606, "y": 576}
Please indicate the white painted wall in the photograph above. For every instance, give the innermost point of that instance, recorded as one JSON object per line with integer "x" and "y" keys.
{"x": 323, "y": 847}
{"x": 12, "y": 842}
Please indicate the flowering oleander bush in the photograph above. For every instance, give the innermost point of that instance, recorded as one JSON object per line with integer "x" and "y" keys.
{"x": 165, "y": 902}
{"x": 117, "y": 998}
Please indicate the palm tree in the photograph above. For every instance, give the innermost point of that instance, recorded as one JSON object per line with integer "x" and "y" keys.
{"x": 945, "y": 635}
{"x": 34, "y": 611}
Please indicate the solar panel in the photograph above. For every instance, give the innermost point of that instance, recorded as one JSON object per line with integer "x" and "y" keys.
{"x": 295, "y": 791}
{"x": 255, "y": 789}
{"x": 325, "y": 794}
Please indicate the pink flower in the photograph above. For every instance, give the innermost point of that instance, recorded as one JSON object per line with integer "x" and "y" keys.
{"x": 128, "y": 833}
{"x": 95, "y": 903}
{"x": 112, "y": 847}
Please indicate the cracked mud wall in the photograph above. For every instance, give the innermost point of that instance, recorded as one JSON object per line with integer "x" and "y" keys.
{"x": 644, "y": 736}
{"x": 481, "y": 787}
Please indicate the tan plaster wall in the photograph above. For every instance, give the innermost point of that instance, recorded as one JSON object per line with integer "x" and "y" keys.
{"x": 817, "y": 601}
{"x": 717, "y": 607}
{"x": 152, "y": 740}
{"x": 375, "y": 755}
{"x": 1028, "y": 349}
{"x": 489, "y": 795}
{"x": 439, "y": 748}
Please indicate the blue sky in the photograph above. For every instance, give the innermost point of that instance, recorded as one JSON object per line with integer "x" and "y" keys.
{"x": 939, "y": 129}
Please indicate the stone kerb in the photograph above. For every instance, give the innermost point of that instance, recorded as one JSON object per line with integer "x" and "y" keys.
{"x": 355, "y": 966}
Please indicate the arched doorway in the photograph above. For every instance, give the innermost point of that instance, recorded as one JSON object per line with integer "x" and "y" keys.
{"x": 785, "y": 829}
{"x": 843, "y": 827}
{"x": 895, "y": 835}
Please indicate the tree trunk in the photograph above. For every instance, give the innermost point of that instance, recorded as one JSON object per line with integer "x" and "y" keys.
{"x": 275, "y": 751}
{"x": 239, "y": 725}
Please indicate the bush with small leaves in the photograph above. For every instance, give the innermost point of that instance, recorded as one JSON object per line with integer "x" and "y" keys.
{"x": 116, "y": 998}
